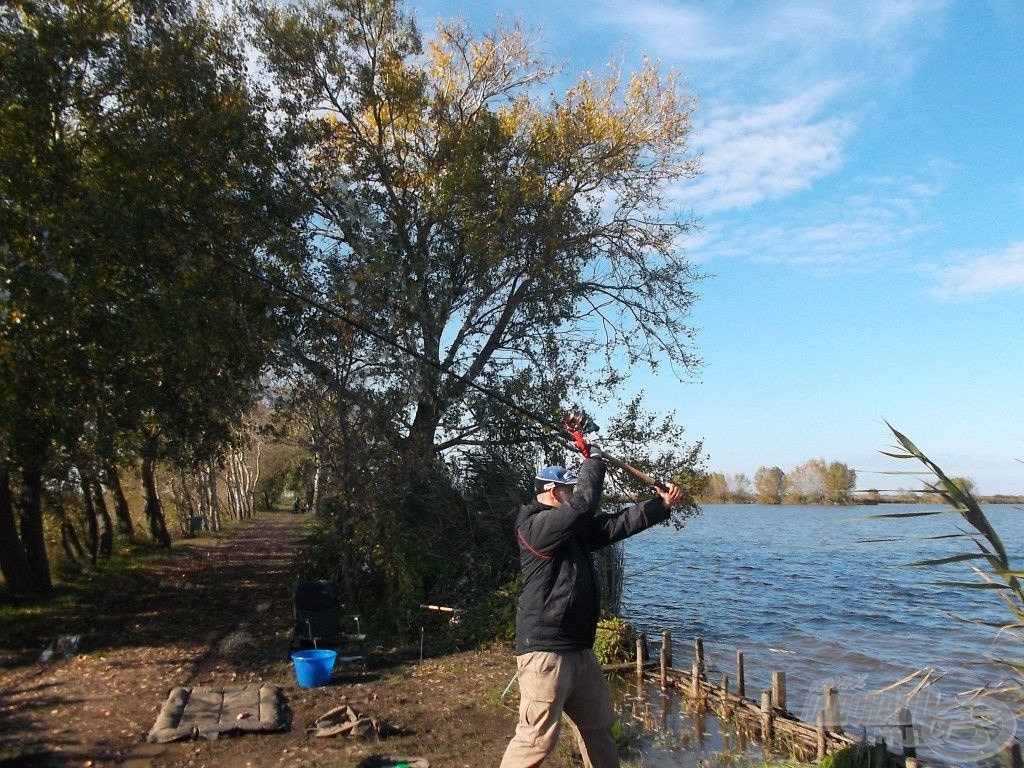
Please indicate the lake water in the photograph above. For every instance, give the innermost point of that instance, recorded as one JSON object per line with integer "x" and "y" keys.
{"x": 817, "y": 592}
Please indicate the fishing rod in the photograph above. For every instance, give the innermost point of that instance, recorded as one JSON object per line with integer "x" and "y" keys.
{"x": 572, "y": 429}
{"x": 636, "y": 472}
{"x": 578, "y": 424}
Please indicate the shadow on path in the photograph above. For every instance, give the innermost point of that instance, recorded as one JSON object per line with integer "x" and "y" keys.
{"x": 218, "y": 610}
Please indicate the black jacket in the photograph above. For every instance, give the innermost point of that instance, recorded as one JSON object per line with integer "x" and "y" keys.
{"x": 561, "y": 602}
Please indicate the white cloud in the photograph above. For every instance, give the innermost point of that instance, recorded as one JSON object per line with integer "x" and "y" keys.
{"x": 751, "y": 154}
{"x": 803, "y": 40}
{"x": 782, "y": 84}
{"x": 864, "y": 223}
{"x": 989, "y": 273}
{"x": 809, "y": 32}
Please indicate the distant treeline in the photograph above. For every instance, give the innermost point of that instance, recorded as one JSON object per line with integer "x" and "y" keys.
{"x": 813, "y": 482}
{"x": 819, "y": 482}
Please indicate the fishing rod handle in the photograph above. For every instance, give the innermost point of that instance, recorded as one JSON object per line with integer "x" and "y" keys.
{"x": 637, "y": 473}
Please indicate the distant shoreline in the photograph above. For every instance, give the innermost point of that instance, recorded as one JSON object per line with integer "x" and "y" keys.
{"x": 997, "y": 499}
{"x": 874, "y": 501}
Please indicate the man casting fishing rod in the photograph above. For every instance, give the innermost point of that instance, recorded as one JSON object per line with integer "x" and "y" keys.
{"x": 556, "y": 619}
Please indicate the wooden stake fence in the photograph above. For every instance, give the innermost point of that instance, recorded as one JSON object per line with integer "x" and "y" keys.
{"x": 766, "y": 716}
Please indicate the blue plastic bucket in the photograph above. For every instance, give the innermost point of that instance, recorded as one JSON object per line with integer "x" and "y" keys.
{"x": 314, "y": 668}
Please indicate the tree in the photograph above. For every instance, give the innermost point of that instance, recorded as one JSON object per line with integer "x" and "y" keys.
{"x": 805, "y": 484}
{"x": 505, "y": 241}
{"x": 37, "y": 83}
{"x": 486, "y": 254}
{"x": 840, "y": 481}
{"x": 740, "y": 487}
{"x": 136, "y": 185}
{"x": 769, "y": 485}
{"x": 716, "y": 489}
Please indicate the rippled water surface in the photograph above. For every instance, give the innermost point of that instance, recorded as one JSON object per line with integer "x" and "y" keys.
{"x": 817, "y": 592}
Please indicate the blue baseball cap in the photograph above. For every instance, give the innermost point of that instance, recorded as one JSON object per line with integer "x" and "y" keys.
{"x": 552, "y": 476}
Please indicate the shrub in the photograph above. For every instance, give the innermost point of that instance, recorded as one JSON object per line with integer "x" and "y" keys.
{"x": 615, "y": 642}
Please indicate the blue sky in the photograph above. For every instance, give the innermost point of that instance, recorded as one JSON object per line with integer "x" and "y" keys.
{"x": 862, "y": 210}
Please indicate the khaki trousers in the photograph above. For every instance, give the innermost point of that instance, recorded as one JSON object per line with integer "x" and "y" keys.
{"x": 550, "y": 684}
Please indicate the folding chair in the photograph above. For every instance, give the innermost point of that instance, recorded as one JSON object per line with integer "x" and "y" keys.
{"x": 318, "y": 622}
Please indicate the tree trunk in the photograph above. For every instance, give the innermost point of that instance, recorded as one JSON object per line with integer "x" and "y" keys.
{"x": 215, "y": 522}
{"x": 423, "y": 430}
{"x": 191, "y": 511}
{"x": 314, "y": 497}
{"x": 106, "y": 522}
{"x": 13, "y": 560}
{"x": 240, "y": 484}
{"x": 203, "y": 501}
{"x": 121, "y": 510}
{"x": 31, "y": 512}
{"x": 91, "y": 520}
{"x": 234, "y": 485}
{"x": 254, "y": 478}
{"x": 154, "y": 509}
{"x": 70, "y": 542}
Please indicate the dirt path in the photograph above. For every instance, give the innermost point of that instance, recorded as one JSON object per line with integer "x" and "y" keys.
{"x": 218, "y": 613}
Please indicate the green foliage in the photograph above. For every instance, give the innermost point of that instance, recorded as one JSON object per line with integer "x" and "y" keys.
{"x": 493, "y": 618}
{"x": 624, "y": 738}
{"x": 486, "y": 254}
{"x": 615, "y": 642}
{"x": 278, "y": 465}
{"x": 136, "y": 170}
{"x": 987, "y": 554}
{"x": 813, "y": 482}
{"x": 467, "y": 244}
{"x": 629, "y": 434}
{"x": 505, "y": 241}
{"x": 116, "y": 274}
{"x": 419, "y": 535}
{"x": 769, "y": 485}
{"x": 840, "y": 481}
{"x": 860, "y": 755}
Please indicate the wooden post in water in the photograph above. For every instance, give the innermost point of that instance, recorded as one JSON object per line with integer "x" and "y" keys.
{"x": 766, "y": 715}
{"x": 779, "y": 689}
{"x": 695, "y": 682}
{"x": 663, "y": 718}
{"x": 741, "y": 688}
{"x": 881, "y": 751}
{"x": 665, "y": 663}
{"x": 698, "y": 655}
{"x": 641, "y": 644}
{"x": 822, "y": 735}
{"x": 666, "y": 643}
{"x": 908, "y": 736}
{"x": 832, "y": 718}
{"x": 1011, "y": 756}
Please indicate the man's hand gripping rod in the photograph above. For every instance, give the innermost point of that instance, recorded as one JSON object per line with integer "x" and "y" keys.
{"x": 578, "y": 424}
